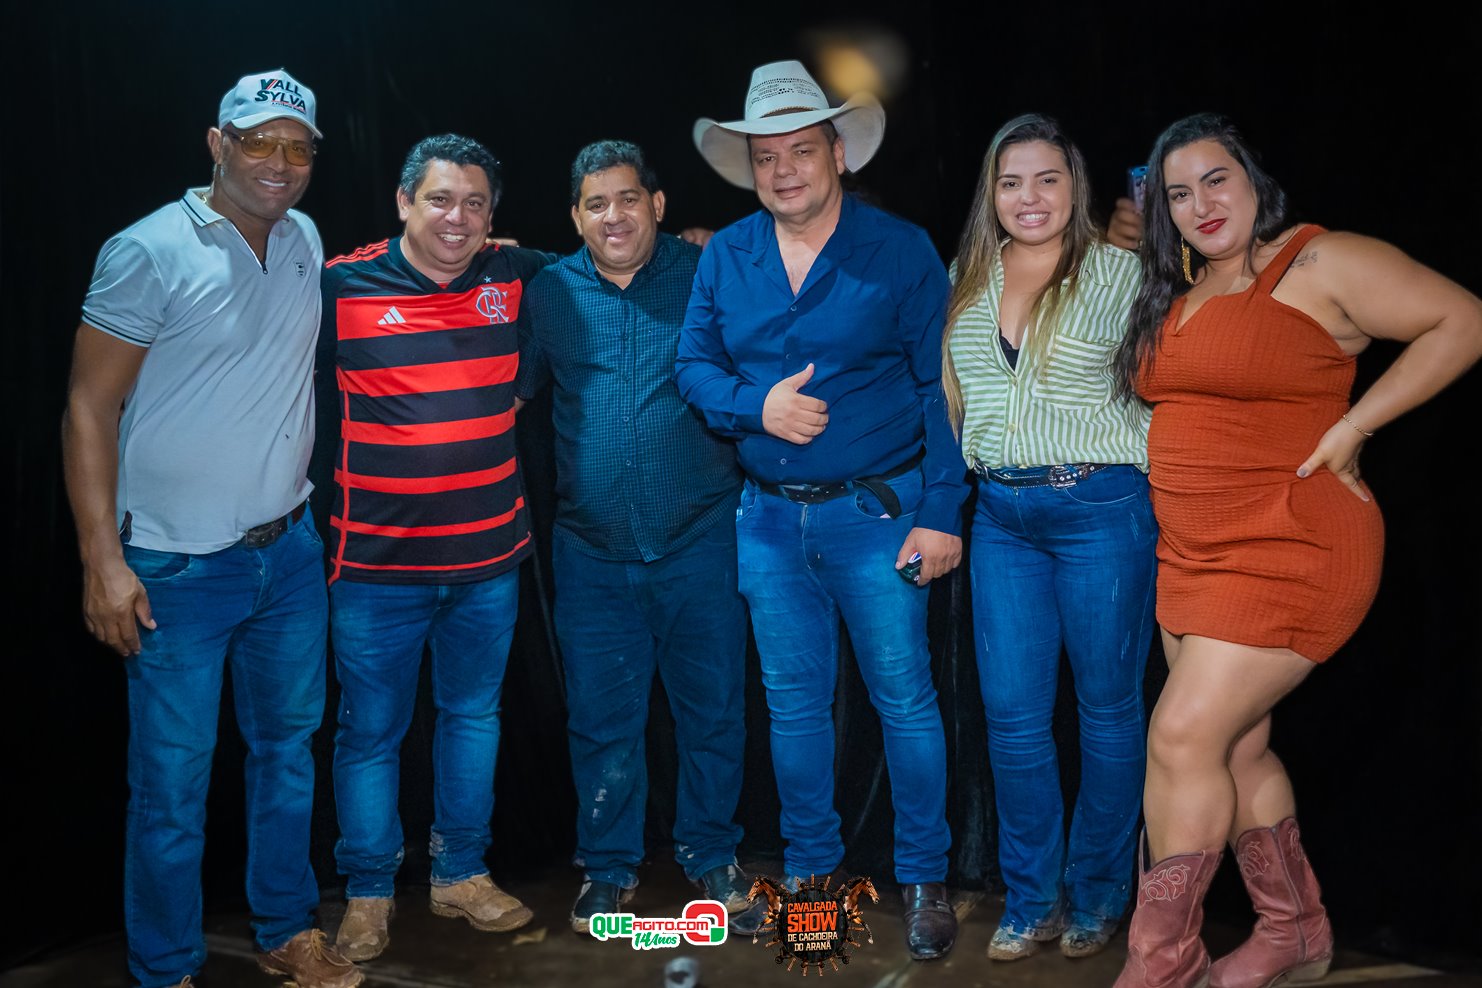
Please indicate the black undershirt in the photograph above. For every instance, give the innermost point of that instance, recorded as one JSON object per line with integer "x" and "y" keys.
{"x": 1010, "y": 352}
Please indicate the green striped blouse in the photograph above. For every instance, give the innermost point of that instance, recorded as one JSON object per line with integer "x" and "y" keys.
{"x": 1062, "y": 410}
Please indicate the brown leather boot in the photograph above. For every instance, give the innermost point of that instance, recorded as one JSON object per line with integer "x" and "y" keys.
{"x": 485, "y": 905}
{"x": 364, "y": 933}
{"x": 1163, "y": 945}
{"x": 309, "y": 961}
{"x": 1292, "y": 938}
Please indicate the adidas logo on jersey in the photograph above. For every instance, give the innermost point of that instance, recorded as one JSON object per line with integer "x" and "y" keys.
{"x": 391, "y": 318}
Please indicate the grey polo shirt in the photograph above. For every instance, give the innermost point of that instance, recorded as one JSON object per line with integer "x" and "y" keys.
{"x": 216, "y": 433}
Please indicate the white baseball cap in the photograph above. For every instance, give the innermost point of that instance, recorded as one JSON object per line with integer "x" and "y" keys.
{"x": 263, "y": 96}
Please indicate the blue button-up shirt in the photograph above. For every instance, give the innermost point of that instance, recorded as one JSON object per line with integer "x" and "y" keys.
{"x": 637, "y": 473}
{"x": 868, "y": 317}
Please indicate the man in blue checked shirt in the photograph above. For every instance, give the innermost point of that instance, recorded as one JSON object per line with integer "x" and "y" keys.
{"x": 813, "y": 338}
{"x": 644, "y": 545}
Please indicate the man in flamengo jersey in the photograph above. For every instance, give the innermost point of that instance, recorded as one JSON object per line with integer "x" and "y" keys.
{"x": 430, "y": 526}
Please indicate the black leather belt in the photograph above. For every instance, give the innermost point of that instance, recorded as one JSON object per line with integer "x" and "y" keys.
{"x": 1059, "y": 476}
{"x": 875, "y": 484}
{"x": 269, "y": 532}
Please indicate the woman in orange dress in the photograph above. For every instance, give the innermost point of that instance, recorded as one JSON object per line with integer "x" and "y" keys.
{"x": 1243, "y": 339}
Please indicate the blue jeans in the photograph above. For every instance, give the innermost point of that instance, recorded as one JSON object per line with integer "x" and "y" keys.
{"x": 1072, "y": 567}
{"x": 261, "y": 612}
{"x": 802, "y": 568}
{"x": 380, "y": 631}
{"x": 618, "y": 622}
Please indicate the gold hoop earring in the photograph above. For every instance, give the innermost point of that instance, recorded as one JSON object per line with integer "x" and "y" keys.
{"x": 1183, "y": 250}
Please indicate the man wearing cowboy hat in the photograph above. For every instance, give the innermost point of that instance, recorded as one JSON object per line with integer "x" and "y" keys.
{"x": 813, "y": 338}
{"x": 196, "y": 555}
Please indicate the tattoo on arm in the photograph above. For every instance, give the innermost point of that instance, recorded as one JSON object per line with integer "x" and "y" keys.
{"x": 1310, "y": 257}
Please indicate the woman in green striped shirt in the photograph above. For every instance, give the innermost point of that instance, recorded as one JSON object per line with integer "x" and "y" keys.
{"x": 1063, "y": 536}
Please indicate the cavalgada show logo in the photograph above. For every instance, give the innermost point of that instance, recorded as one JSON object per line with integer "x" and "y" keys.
{"x": 703, "y": 924}
{"x": 814, "y": 924}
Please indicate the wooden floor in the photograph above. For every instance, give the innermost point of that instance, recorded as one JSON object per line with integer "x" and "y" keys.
{"x": 428, "y": 952}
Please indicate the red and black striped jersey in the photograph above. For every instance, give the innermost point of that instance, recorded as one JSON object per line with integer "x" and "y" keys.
{"x": 427, "y": 488}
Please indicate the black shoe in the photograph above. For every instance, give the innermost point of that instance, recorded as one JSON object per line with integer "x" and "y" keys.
{"x": 728, "y": 885}
{"x": 596, "y": 897}
{"x": 931, "y": 925}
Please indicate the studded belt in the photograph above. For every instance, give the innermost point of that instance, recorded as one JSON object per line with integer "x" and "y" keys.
{"x": 1059, "y": 476}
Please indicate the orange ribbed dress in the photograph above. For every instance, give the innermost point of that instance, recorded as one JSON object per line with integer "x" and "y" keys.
{"x": 1247, "y": 552}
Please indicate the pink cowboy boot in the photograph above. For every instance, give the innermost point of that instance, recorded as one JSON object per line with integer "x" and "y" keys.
{"x": 1163, "y": 945}
{"x": 1292, "y": 939}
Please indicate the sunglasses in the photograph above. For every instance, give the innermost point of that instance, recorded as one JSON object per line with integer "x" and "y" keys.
{"x": 263, "y": 146}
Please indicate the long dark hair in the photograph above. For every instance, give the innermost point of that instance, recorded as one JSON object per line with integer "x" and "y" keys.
{"x": 983, "y": 234}
{"x": 1162, "y": 263}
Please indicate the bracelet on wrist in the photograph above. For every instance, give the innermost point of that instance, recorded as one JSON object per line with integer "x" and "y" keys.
{"x": 1357, "y": 428}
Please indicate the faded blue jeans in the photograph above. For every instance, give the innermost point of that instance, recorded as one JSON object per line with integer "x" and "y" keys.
{"x": 803, "y": 566}
{"x": 1072, "y": 567}
{"x": 619, "y": 622}
{"x": 260, "y": 612}
{"x": 380, "y": 631}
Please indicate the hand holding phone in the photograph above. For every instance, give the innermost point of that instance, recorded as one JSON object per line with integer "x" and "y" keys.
{"x": 1137, "y": 180}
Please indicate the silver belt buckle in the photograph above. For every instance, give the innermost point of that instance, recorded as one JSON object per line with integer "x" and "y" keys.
{"x": 1061, "y": 478}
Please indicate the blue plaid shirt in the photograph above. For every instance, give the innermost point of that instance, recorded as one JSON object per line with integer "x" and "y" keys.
{"x": 637, "y": 473}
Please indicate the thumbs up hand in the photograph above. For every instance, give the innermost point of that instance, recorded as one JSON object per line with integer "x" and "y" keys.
{"x": 791, "y": 415}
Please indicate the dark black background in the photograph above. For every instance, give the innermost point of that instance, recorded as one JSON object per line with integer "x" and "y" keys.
{"x": 1369, "y": 120}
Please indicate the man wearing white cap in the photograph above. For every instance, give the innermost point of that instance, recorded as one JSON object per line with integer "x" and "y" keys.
{"x": 813, "y": 338}
{"x": 200, "y": 324}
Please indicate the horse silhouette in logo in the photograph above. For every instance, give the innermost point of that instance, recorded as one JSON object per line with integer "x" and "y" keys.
{"x": 765, "y": 886}
{"x": 854, "y": 890}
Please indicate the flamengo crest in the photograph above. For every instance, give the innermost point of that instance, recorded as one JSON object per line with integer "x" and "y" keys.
{"x": 491, "y": 304}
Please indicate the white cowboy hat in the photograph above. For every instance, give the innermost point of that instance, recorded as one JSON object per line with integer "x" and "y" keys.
{"x": 783, "y": 98}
